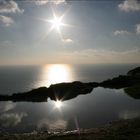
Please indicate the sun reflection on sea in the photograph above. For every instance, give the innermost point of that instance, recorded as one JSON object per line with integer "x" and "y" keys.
{"x": 55, "y": 73}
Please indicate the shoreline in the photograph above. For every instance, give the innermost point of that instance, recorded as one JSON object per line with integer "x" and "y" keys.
{"x": 122, "y": 129}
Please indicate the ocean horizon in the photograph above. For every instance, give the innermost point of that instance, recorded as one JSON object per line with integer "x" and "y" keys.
{"x": 22, "y": 78}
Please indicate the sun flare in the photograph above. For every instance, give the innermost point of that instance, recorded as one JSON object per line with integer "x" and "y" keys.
{"x": 58, "y": 104}
{"x": 56, "y": 23}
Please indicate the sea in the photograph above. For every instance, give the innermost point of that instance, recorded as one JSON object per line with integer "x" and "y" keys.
{"x": 100, "y": 107}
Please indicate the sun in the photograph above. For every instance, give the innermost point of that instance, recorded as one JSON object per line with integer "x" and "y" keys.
{"x": 58, "y": 104}
{"x": 56, "y": 23}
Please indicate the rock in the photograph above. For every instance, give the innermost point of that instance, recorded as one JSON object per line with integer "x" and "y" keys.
{"x": 61, "y": 91}
{"x": 134, "y": 72}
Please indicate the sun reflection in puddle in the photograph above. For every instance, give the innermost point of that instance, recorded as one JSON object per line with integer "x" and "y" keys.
{"x": 58, "y": 104}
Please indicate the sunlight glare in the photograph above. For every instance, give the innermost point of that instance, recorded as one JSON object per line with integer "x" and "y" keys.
{"x": 55, "y": 73}
{"x": 56, "y": 23}
{"x": 58, "y": 73}
{"x": 58, "y": 104}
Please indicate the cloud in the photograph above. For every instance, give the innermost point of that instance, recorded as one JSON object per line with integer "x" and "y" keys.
{"x": 52, "y": 124}
{"x": 11, "y": 119}
{"x": 5, "y": 20}
{"x": 124, "y": 32}
{"x": 6, "y": 106}
{"x": 121, "y": 32}
{"x": 44, "y": 2}
{"x": 9, "y": 6}
{"x": 67, "y": 40}
{"x": 129, "y": 5}
{"x": 138, "y": 29}
{"x": 41, "y": 2}
{"x": 96, "y": 56}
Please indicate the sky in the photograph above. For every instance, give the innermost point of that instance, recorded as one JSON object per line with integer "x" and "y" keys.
{"x": 88, "y": 31}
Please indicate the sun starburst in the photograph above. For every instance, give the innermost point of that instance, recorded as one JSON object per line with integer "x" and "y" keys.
{"x": 56, "y": 23}
{"x": 58, "y": 104}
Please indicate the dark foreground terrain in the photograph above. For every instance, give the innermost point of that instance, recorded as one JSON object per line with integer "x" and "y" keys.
{"x": 120, "y": 130}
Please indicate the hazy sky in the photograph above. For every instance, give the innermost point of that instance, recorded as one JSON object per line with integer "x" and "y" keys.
{"x": 90, "y": 31}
